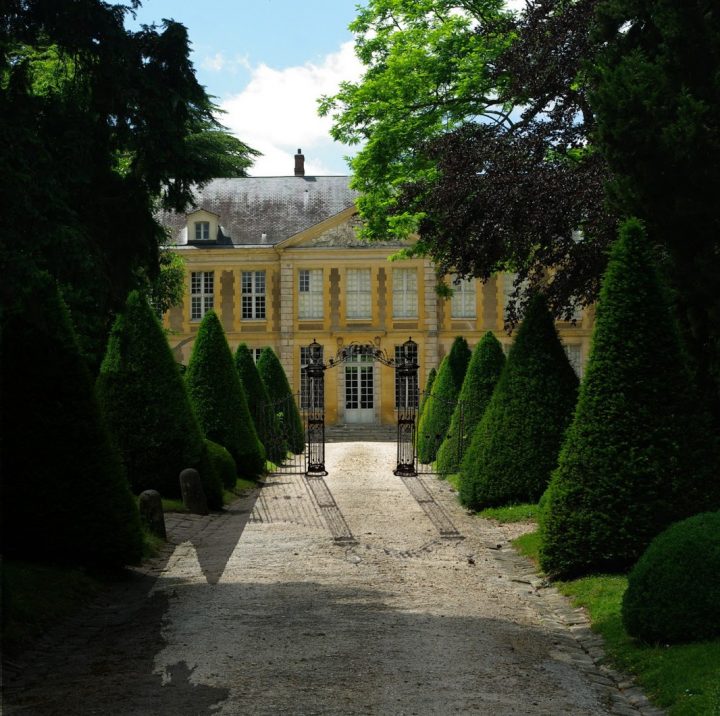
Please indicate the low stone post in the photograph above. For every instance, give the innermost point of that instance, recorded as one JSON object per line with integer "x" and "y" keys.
{"x": 193, "y": 495}
{"x": 151, "y": 512}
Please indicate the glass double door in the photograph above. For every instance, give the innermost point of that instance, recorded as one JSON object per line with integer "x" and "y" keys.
{"x": 359, "y": 390}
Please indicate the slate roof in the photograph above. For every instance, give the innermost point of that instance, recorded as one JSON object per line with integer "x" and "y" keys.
{"x": 279, "y": 207}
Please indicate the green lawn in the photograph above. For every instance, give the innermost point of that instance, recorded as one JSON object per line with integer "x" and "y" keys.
{"x": 685, "y": 679}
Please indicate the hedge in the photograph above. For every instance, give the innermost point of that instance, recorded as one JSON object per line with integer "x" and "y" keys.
{"x": 143, "y": 398}
{"x": 482, "y": 375}
{"x": 258, "y": 400}
{"x": 673, "y": 592}
{"x": 640, "y": 453}
{"x": 219, "y": 399}
{"x": 222, "y": 463}
{"x": 515, "y": 445}
{"x": 65, "y": 497}
{"x": 439, "y": 406}
{"x": 281, "y": 397}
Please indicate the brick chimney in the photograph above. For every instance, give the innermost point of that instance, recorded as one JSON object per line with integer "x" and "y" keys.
{"x": 299, "y": 164}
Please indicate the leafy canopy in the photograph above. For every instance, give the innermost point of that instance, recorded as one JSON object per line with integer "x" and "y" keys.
{"x": 475, "y": 126}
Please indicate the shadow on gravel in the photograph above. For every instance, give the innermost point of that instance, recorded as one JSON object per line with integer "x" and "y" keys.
{"x": 307, "y": 648}
{"x": 106, "y": 665}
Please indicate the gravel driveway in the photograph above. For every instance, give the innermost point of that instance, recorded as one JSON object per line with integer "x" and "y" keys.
{"x": 356, "y": 593}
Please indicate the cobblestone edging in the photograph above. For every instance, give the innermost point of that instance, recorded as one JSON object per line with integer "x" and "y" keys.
{"x": 582, "y": 647}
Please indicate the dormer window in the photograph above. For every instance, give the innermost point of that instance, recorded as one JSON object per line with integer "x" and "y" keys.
{"x": 202, "y": 231}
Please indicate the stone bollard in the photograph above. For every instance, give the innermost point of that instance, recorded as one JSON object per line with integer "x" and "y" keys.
{"x": 151, "y": 512}
{"x": 193, "y": 495}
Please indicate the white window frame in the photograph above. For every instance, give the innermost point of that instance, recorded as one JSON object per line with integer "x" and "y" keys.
{"x": 253, "y": 296}
{"x": 202, "y": 293}
{"x": 405, "y": 293}
{"x": 358, "y": 294}
{"x": 202, "y": 231}
{"x": 463, "y": 303}
{"x": 310, "y": 293}
{"x": 574, "y": 354}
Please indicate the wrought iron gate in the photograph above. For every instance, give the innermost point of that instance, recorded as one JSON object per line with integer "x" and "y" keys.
{"x": 281, "y": 447}
{"x": 406, "y": 399}
{"x": 313, "y": 404}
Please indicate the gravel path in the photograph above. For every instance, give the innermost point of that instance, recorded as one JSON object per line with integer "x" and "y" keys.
{"x": 357, "y": 593}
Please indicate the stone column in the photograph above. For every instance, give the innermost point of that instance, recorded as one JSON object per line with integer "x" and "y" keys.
{"x": 287, "y": 320}
{"x": 430, "y": 357}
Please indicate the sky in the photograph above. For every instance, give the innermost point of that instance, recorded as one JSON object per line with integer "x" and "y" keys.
{"x": 267, "y": 62}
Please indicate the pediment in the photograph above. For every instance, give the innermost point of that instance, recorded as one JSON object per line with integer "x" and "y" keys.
{"x": 339, "y": 232}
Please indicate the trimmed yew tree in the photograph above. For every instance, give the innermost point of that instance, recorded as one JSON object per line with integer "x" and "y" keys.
{"x": 435, "y": 420}
{"x": 146, "y": 405}
{"x": 65, "y": 497}
{"x": 282, "y": 398}
{"x": 258, "y": 402}
{"x": 482, "y": 375}
{"x": 219, "y": 399}
{"x": 640, "y": 453}
{"x": 223, "y": 464}
{"x": 515, "y": 445}
{"x": 428, "y": 390}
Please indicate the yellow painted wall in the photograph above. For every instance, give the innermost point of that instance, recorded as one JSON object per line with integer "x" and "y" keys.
{"x": 434, "y": 328}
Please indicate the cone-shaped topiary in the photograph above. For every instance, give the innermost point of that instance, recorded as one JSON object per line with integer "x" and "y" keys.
{"x": 427, "y": 391}
{"x": 65, "y": 497}
{"x": 640, "y": 453}
{"x": 435, "y": 420}
{"x": 281, "y": 397}
{"x": 146, "y": 406}
{"x": 515, "y": 445}
{"x": 223, "y": 464}
{"x": 673, "y": 592}
{"x": 219, "y": 399}
{"x": 482, "y": 375}
{"x": 258, "y": 400}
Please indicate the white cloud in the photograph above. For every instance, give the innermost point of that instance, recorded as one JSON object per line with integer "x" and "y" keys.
{"x": 214, "y": 63}
{"x": 218, "y": 63}
{"x": 276, "y": 113}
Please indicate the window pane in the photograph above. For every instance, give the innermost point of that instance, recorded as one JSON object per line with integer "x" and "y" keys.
{"x": 404, "y": 293}
{"x": 358, "y": 293}
{"x": 463, "y": 300}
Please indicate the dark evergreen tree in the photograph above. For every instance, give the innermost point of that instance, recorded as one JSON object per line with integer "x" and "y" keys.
{"x": 482, "y": 375}
{"x": 640, "y": 452}
{"x": 281, "y": 397}
{"x": 656, "y": 98}
{"x": 515, "y": 445}
{"x": 65, "y": 497}
{"x": 146, "y": 405}
{"x": 428, "y": 390}
{"x": 101, "y": 125}
{"x": 435, "y": 421}
{"x": 219, "y": 399}
{"x": 264, "y": 418}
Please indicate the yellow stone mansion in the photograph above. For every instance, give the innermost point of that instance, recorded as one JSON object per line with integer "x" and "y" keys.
{"x": 278, "y": 260}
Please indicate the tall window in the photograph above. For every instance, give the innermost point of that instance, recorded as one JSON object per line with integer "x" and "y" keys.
{"x": 305, "y": 383}
{"x": 463, "y": 299}
{"x": 253, "y": 294}
{"x": 202, "y": 293}
{"x": 256, "y": 353}
{"x": 405, "y": 304}
{"x": 357, "y": 293}
{"x": 574, "y": 354}
{"x": 202, "y": 231}
{"x": 310, "y": 293}
{"x": 407, "y": 399}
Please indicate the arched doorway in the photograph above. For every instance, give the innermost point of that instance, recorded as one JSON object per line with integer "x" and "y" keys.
{"x": 357, "y": 360}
